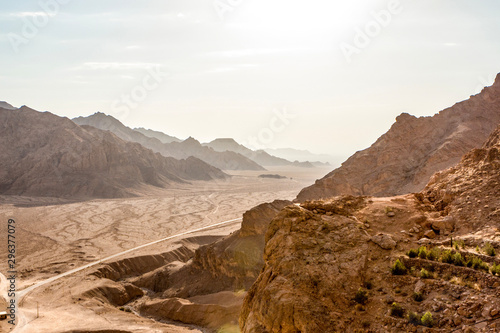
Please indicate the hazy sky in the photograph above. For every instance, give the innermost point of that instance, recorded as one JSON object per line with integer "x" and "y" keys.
{"x": 226, "y": 68}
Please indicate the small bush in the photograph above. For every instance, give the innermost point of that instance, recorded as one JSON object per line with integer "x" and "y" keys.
{"x": 495, "y": 269}
{"x": 361, "y": 296}
{"x": 418, "y": 297}
{"x": 368, "y": 285}
{"x": 427, "y": 319}
{"x": 413, "y": 253}
{"x": 489, "y": 250}
{"x": 424, "y": 274}
{"x": 413, "y": 318}
{"x": 359, "y": 307}
{"x": 397, "y": 310}
{"x": 433, "y": 254}
{"x": 398, "y": 268}
{"x": 447, "y": 257}
{"x": 458, "y": 260}
{"x": 365, "y": 323}
{"x": 422, "y": 252}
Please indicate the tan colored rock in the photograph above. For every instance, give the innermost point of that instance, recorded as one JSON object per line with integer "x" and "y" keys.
{"x": 430, "y": 234}
{"x": 384, "y": 241}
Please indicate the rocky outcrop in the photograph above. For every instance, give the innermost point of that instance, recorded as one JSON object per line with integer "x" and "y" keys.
{"x": 468, "y": 193}
{"x": 178, "y": 149}
{"x": 331, "y": 265}
{"x": 46, "y": 155}
{"x": 402, "y": 160}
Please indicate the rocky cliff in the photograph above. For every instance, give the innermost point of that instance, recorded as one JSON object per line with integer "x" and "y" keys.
{"x": 424, "y": 262}
{"x": 402, "y": 160}
{"x": 46, "y": 155}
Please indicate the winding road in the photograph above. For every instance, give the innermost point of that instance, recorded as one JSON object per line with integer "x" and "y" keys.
{"x": 22, "y": 320}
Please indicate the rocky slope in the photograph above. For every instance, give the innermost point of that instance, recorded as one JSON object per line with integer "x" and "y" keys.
{"x": 7, "y": 106}
{"x": 46, "y": 155}
{"x": 402, "y": 160}
{"x": 331, "y": 265}
{"x": 179, "y": 150}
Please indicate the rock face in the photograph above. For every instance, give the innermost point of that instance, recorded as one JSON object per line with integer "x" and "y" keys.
{"x": 46, "y": 155}
{"x": 331, "y": 265}
{"x": 181, "y": 150}
{"x": 469, "y": 192}
{"x": 402, "y": 160}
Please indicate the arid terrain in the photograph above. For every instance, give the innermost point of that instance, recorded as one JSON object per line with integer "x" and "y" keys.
{"x": 55, "y": 235}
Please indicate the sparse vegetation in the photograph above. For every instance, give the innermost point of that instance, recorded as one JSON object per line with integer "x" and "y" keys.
{"x": 424, "y": 274}
{"x": 489, "y": 250}
{"x": 422, "y": 252}
{"x": 397, "y": 310}
{"x": 413, "y": 253}
{"x": 495, "y": 269}
{"x": 398, "y": 268}
{"x": 361, "y": 296}
{"x": 458, "y": 260}
{"x": 418, "y": 297}
{"x": 413, "y": 318}
{"x": 368, "y": 285}
{"x": 427, "y": 319}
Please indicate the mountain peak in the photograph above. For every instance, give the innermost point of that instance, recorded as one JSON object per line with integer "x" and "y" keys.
{"x": 7, "y": 106}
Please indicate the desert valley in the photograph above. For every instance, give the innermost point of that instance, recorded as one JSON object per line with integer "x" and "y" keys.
{"x": 123, "y": 230}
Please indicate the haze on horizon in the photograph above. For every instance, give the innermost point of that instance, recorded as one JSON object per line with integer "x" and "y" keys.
{"x": 223, "y": 68}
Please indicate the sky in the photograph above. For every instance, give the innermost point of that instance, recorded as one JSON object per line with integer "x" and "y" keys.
{"x": 327, "y": 76}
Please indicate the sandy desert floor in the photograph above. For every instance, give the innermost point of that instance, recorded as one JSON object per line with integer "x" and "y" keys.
{"x": 54, "y": 236}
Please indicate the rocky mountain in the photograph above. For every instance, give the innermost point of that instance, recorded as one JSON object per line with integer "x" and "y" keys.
{"x": 165, "y": 138}
{"x": 46, "y": 155}
{"x": 424, "y": 262}
{"x": 179, "y": 150}
{"x": 403, "y": 159}
{"x": 258, "y": 156}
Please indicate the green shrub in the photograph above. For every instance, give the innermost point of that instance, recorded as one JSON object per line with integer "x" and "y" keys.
{"x": 422, "y": 252}
{"x": 433, "y": 254}
{"x": 458, "y": 260}
{"x": 427, "y": 319}
{"x": 397, "y": 310}
{"x": 413, "y": 318}
{"x": 398, "y": 268}
{"x": 447, "y": 257}
{"x": 489, "y": 250}
{"x": 413, "y": 253}
{"x": 477, "y": 263}
{"x": 361, "y": 296}
{"x": 418, "y": 297}
{"x": 495, "y": 269}
{"x": 424, "y": 274}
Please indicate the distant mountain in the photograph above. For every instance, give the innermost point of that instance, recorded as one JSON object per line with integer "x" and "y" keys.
{"x": 7, "y": 106}
{"x": 46, "y": 155}
{"x": 157, "y": 135}
{"x": 259, "y": 156}
{"x": 179, "y": 150}
{"x": 403, "y": 159}
{"x": 301, "y": 155}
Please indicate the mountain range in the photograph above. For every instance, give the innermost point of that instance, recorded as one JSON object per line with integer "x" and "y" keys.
{"x": 46, "y": 155}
